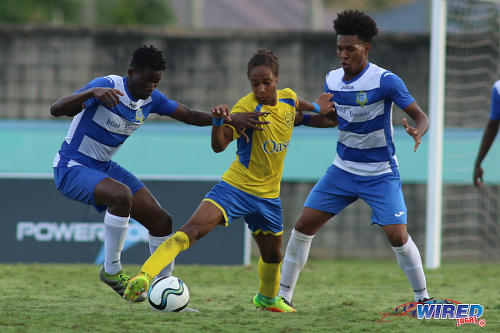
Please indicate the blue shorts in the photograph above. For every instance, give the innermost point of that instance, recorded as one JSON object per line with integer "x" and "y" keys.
{"x": 261, "y": 215}
{"x": 79, "y": 182}
{"x": 337, "y": 189}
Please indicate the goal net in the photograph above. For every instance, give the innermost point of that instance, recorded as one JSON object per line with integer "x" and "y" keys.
{"x": 470, "y": 217}
{"x": 472, "y": 60}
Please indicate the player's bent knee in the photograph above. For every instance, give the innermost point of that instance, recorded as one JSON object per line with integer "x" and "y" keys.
{"x": 122, "y": 198}
{"x": 398, "y": 240}
{"x": 311, "y": 221}
{"x": 303, "y": 226}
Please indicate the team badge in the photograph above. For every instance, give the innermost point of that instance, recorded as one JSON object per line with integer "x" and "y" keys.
{"x": 289, "y": 119}
{"x": 139, "y": 116}
{"x": 361, "y": 98}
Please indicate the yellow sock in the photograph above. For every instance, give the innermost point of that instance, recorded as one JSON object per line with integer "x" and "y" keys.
{"x": 165, "y": 253}
{"x": 269, "y": 278}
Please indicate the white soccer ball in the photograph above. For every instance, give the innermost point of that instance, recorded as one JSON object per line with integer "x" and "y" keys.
{"x": 168, "y": 294}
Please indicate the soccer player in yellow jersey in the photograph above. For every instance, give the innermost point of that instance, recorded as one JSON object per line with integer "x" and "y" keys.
{"x": 250, "y": 188}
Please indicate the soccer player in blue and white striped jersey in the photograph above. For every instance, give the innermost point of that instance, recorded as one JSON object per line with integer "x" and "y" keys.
{"x": 106, "y": 112}
{"x": 366, "y": 166}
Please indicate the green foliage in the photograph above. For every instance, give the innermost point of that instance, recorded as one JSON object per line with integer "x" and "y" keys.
{"x": 132, "y": 12}
{"x": 102, "y": 12}
{"x": 36, "y": 11}
{"x": 331, "y": 296}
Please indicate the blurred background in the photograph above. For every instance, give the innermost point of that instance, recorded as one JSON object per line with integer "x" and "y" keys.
{"x": 51, "y": 48}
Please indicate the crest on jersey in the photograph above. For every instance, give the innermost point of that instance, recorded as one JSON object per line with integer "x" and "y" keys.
{"x": 139, "y": 116}
{"x": 361, "y": 98}
{"x": 289, "y": 119}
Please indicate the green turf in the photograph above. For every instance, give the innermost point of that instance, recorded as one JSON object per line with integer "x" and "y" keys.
{"x": 332, "y": 295}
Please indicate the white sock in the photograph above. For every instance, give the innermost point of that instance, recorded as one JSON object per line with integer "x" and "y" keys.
{"x": 154, "y": 242}
{"x": 410, "y": 262}
{"x": 115, "y": 232}
{"x": 297, "y": 251}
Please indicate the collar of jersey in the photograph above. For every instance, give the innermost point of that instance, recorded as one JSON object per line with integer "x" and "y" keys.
{"x": 357, "y": 76}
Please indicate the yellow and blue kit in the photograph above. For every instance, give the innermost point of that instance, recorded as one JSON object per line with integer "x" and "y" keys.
{"x": 250, "y": 188}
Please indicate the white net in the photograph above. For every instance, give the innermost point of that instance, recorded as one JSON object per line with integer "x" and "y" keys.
{"x": 471, "y": 228}
{"x": 472, "y": 60}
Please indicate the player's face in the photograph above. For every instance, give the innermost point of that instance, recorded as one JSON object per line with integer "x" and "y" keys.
{"x": 264, "y": 82}
{"x": 141, "y": 83}
{"x": 353, "y": 54}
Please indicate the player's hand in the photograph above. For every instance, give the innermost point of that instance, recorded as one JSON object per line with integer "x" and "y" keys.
{"x": 477, "y": 176}
{"x": 249, "y": 120}
{"x": 108, "y": 96}
{"x": 416, "y": 135}
{"x": 243, "y": 120}
{"x": 326, "y": 105}
{"x": 220, "y": 111}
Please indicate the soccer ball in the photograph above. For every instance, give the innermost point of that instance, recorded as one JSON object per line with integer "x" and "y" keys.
{"x": 168, "y": 294}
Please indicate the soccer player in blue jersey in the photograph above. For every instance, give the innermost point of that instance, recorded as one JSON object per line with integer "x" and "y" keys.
{"x": 489, "y": 134}
{"x": 365, "y": 166}
{"x": 105, "y": 112}
{"x": 250, "y": 188}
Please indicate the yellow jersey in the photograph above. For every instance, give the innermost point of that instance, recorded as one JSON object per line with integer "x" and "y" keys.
{"x": 258, "y": 166}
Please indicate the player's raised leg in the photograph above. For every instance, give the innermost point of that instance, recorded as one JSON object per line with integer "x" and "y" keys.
{"x": 269, "y": 274}
{"x": 298, "y": 247}
{"x": 205, "y": 218}
{"x": 408, "y": 258}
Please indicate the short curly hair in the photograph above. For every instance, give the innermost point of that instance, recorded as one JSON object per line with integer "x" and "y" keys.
{"x": 147, "y": 57}
{"x": 355, "y": 22}
{"x": 264, "y": 57}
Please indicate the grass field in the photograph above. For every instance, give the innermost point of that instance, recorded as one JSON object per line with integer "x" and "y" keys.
{"x": 340, "y": 295}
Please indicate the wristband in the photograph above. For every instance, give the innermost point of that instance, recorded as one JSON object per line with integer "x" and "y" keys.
{"x": 217, "y": 122}
{"x": 306, "y": 119}
{"x": 317, "y": 109}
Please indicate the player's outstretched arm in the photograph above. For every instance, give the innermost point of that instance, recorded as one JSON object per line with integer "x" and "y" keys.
{"x": 221, "y": 135}
{"x": 191, "y": 117}
{"x": 488, "y": 137}
{"x": 201, "y": 118}
{"x": 421, "y": 120}
{"x": 323, "y": 106}
{"x": 72, "y": 104}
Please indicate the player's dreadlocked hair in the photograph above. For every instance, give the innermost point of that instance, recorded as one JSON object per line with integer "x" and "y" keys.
{"x": 264, "y": 57}
{"x": 147, "y": 57}
{"x": 355, "y": 22}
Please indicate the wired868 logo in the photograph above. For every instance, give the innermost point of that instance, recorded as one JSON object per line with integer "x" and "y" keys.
{"x": 439, "y": 309}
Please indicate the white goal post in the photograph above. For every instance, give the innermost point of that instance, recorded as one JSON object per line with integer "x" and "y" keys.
{"x": 437, "y": 72}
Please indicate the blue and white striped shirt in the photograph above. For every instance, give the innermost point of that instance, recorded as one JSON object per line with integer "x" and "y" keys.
{"x": 365, "y": 144}
{"x": 495, "y": 101}
{"x": 97, "y": 132}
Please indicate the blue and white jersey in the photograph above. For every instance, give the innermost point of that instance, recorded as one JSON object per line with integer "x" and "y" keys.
{"x": 495, "y": 101}
{"x": 365, "y": 144}
{"x": 97, "y": 132}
